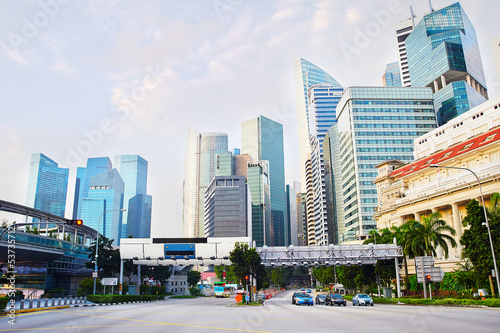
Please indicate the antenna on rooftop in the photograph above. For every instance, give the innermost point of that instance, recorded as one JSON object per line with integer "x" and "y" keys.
{"x": 430, "y": 6}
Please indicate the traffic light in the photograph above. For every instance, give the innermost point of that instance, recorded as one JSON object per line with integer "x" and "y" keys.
{"x": 75, "y": 222}
{"x": 427, "y": 278}
{"x": 246, "y": 278}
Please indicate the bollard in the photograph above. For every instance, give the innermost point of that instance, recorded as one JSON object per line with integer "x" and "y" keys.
{"x": 52, "y": 301}
{"x": 59, "y": 300}
{"x": 65, "y": 302}
{"x": 46, "y": 302}
{"x": 30, "y": 304}
{"x": 21, "y": 304}
{"x": 38, "y": 302}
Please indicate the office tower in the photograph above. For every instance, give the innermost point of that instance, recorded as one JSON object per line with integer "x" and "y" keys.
{"x": 47, "y": 185}
{"x": 495, "y": 49}
{"x": 95, "y": 166}
{"x": 262, "y": 139}
{"x": 80, "y": 176}
{"x": 300, "y": 199}
{"x": 403, "y": 30}
{"x": 332, "y": 194}
{"x": 136, "y": 220}
{"x": 291, "y": 215}
{"x": 443, "y": 54}
{"x": 259, "y": 185}
{"x": 392, "y": 75}
{"x": 199, "y": 170}
{"x": 101, "y": 207}
{"x": 375, "y": 124}
{"x": 322, "y": 100}
{"x": 310, "y": 228}
{"x": 225, "y": 164}
{"x": 228, "y": 207}
{"x": 306, "y": 75}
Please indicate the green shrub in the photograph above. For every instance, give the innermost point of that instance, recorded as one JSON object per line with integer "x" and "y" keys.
{"x": 3, "y": 303}
{"x": 120, "y": 298}
{"x": 194, "y": 291}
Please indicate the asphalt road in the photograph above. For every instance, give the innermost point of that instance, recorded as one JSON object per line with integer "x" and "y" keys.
{"x": 279, "y": 315}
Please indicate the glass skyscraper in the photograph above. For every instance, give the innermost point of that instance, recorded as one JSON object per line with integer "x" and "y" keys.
{"x": 262, "y": 139}
{"x": 306, "y": 75}
{"x": 375, "y": 124}
{"x": 443, "y": 54}
{"x": 47, "y": 185}
{"x": 95, "y": 166}
{"x": 259, "y": 185}
{"x": 199, "y": 170}
{"x": 105, "y": 193}
{"x": 137, "y": 219}
{"x": 392, "y": 75}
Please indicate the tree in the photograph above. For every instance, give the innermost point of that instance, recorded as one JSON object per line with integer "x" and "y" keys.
{"x": 108, "y": 260}
{"x": 157, "y": 273}
{"x": 230, "y": 277}
{"x": 193, "y": 277}
{"x": 86, "y": 286}
{"x": 246, "y": 261}
{"x": 280, "y": 276}
{"x": 476, "y": 240}
{"x": 430, "y": 233}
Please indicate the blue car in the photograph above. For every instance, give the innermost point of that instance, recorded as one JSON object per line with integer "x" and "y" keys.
{"x": 304, "y": 299}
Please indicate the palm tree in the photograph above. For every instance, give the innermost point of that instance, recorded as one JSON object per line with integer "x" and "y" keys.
{"x": 494, "y": 209}
{"x": 430, "y": 233}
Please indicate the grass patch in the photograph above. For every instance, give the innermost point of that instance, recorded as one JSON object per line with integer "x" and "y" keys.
{"x": 120, "y": 298}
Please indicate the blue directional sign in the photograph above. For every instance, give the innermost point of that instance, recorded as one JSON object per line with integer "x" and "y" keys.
{"x": 180, "y": 251}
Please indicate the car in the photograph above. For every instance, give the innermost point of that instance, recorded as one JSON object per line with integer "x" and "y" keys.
{"x": 303, "y": 289}
{"x": 304, "y": 299}
{"x": 320, "y": 298}
{"x": 308, "y": 290}
{"x": 362, "y": 299}
{"x": 336, "y": 299}
{"x": 294, "y": 296}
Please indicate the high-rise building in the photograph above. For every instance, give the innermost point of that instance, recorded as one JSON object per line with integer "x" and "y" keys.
{"x": 262, "y": 139}
{"x": 306, "y": 75}
{"x": 443, "y": 54}
{"x": 495, "y": 49}
{"x": 291, "y": 215}
{"x": 403, "y": 30}
{"x": 47, "y": 185}
{"x": 137, "y": 220}
{"x": 199, "y": 170}
{"x": 95, "y": 166}
{"x": 392, "y": 75}
{"x": 101, "y": 207}
{"x": 300, "y": 199}
{"x": 228, "y": 209}
{"x": 375, "y": 124}
{"x": 80, "y": 176}
{"x": 225, "y": 164}
{"x": 259, "y": 186}
{"x": 323, "y": 100}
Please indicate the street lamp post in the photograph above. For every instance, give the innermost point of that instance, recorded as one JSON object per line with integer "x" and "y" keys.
{"x": 97, "y": 242}
{"x": 485, "y": 216}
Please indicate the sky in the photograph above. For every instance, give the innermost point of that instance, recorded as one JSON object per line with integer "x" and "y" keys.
{"x": 82, "y": 79}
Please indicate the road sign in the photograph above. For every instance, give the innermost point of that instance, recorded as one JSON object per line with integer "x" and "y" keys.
{"x": 238, "y": 298}
{"x": 109, "y": 281}
{"x": 95, "y": 274}
{"x": 426, "y": 261}
{"x": 254, "y": 289}
{"x": 436, "y": 273}
{"x": 247, "y": 298}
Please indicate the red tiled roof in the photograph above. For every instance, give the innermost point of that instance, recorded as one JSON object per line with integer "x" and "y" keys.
{"x": 441, "y": 156}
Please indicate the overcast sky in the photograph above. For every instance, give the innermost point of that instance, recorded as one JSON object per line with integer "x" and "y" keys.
{"x": 83, "y": 79}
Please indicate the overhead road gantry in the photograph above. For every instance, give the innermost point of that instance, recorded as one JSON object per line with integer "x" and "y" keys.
{"x": 339, "y": 255}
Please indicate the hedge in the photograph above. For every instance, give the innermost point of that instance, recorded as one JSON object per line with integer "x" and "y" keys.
{"x": 3, "y": 303}
{"x": 120, "y": 298}
{"x": 491, "y": 302}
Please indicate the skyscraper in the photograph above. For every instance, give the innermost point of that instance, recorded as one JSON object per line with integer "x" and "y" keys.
{"x": 105, "y": 194}
{"x": 47, "y": 185}
{"x": 291, "y": 215}
{"x": 323, "y": 100}
{"x": 495, "y": 49}
{"x": 134, "y": 171}
{"x": 262, "y": 139}
{"x": 306, "y": 75}
{"x": 443, "y": 54}
{"x": 95, "y": 166}
{"x": 259, "y": 186}
{"x": 199, "y": 170}
{"x": 403, "y": 30}
{"x": 392, "y": 75}
{"x": 375, "y": 124}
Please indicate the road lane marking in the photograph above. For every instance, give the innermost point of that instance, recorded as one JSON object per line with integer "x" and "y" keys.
{"x": 161, "y": 323}
{"x": 72, "y": 327}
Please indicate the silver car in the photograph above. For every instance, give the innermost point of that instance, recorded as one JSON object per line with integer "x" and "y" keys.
{"x": 362, "y": 299}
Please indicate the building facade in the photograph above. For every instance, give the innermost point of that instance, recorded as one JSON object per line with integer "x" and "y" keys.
{"x": 228, "y": 210}
{"x": 443, "y": 54}
{"x": 101, "y": 208}
{"x": 408, "y": 191}
{"x": 47, "y": 185}
{"x": 306, "y": 75}
{"x": 262, "y": 139}
{"x": 199, "y": 170}
{"x": 392, "y": 75}
{"x": 291, "y": 216}
{"x": 495, "y": 50}
{"x": 259, "y": 186}
{"x": 375, "y": 124}
{"x": 137, "y": 220}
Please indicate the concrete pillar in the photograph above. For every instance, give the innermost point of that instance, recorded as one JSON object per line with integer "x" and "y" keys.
{"x": 443, "y": 81}
{"x": 457, "y": 225}
{"x": 467, "y": 78}
{"x": 417, "y": 217}
{"x": 436, "y": 86}
{"x": 439, "y": 249}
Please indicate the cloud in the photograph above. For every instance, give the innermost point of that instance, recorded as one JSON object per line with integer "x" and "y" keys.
{"x": 14, "y": 55}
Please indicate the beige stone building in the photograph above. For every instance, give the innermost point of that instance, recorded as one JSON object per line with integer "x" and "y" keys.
{"x": 407, "y": 192}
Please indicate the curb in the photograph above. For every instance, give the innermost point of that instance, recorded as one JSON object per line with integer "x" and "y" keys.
{"x": 42, "y": 309}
